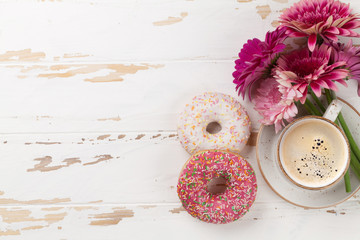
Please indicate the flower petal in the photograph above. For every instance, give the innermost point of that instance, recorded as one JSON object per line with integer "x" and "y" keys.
{"x": 312, "y": 42}
{"x": 316, "y": 89}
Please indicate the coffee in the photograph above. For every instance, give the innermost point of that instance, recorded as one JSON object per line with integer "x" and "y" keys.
{"x": 313, "y": 153}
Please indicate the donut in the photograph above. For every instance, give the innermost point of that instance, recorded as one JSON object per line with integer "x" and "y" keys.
{"x": 199, "y": 202}
{"x": 214, "y": 121}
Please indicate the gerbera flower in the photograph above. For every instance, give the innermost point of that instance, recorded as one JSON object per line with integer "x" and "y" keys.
{"x": 311, "y": 69}
{"x": 351, "y": 55}
{"x": 256, "y": 60}
{"x": 327, "y": 18}
{"x": 274, "y": 100}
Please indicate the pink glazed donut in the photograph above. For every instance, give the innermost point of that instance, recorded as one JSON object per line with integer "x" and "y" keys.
{"x": 230, "y": 122}
{"x": 200, "y": 169}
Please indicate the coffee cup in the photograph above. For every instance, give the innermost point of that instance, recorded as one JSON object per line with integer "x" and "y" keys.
{"x": 313, "y": 152}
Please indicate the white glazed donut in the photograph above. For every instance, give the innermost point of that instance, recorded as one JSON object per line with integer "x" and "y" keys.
{"x": 201, "y": 120}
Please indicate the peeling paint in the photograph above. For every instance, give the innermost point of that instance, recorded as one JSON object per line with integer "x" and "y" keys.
{"x": 263, "y": 11}
{"x": 139, "y": 136}
{"x": 171, "y": 20}
{"x": 102, "y": 137}
{"x": 100, "y": 158}
{"x": 117, "y": 71}
{"x": 121, "y": 136}
{"x": 48, "y": 143}
{"x": 44, "y": 162}
{"x": 33, "y": 227}
{"x": 79, "y": 209}
{"x": 147, "y": 206}
{"x": 9, "y": 232}
{"x": 177, "y": 210}
{"x": 75, "y": 55}
{"x": 97, "y": 201}
{"x": 34, "y": 202}
{"x": 156, "y": 136}
{"x": 110, "y": 119}
{"x": 24, "y": 215}
{"x": 21, "y": 55}
{"x": 330, "y": 211}
{"x": 52, "y": 208}
{"x": 25, "y": 68}
{"x": 112, "y": 218}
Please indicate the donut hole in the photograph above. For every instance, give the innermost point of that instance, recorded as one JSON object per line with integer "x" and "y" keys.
{"x": 213, "y": 127}
{"x": 217, "y": 185}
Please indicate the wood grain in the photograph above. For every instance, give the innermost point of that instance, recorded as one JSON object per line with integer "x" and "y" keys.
{"x": 91, "y": 92}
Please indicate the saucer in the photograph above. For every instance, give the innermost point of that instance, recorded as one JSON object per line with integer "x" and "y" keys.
{"x": 274, "y": 177}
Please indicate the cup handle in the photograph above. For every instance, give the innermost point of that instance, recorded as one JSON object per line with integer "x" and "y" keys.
{"x": 333, "y": 110}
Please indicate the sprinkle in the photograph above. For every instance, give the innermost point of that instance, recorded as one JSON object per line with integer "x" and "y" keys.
{"x": 229, "y": 206}
{"x": 192, "y": 125}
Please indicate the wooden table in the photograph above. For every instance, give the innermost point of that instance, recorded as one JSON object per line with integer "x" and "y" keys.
{"x": 90, "y": 94}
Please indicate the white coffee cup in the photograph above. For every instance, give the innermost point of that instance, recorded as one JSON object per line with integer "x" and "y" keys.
{"x": 313, "y": 152}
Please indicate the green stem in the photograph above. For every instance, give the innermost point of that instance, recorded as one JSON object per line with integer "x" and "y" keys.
{"x": 347, "y": 181}
{"x": 344, "y": 126}
{"x": 312, "y": 107}
{"x": 320, "y": 105}
{"x": 355, "y": 163}
{"x": 328, "y": 96}
{"x": 355, "y": 171}
{"x": 308, "y": 109}
{"x": 352, "y": 142}
{"x": 353, "y": 160}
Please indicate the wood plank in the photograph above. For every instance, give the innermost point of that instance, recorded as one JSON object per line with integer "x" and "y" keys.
{"x": 178, "y": 30}
{"x": 144, "y": 30}
{"x": 158, "y": 221}
{"x": 61, "y": 98}
{"x": 80, "y": 168}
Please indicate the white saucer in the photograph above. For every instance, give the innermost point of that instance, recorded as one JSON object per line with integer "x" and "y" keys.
{"x": 270, "y": 170}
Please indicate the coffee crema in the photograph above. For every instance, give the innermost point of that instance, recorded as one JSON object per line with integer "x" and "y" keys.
{"x": 313, "y": 153}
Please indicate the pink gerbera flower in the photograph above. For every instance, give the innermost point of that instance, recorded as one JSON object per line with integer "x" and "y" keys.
{"x": 311, "y": 69}
{"x": 327, "y": 18}
{"x": 256, "y": 59}
{"x": 351, "y": 55}
{"x": 274, "y": 101}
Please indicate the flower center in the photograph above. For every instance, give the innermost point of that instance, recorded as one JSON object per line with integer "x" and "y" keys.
{"x": 306, "y": 66}
{"x": 320, "y": 14}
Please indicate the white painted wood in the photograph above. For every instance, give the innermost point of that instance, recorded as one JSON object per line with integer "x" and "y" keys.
{"x": 163, "y": 221}
{"x": 147, "y": 100}
{"x": 114, "y": 168}
{"x": 135, "y": 30}
{"x": 89, "y": 97}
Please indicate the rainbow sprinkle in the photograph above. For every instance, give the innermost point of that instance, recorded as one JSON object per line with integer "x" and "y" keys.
{"x": 217, "y": 208}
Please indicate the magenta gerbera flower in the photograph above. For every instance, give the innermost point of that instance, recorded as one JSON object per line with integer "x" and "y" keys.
{"x": 311, "y": 69}
{"x": 274, "y": 101}
{"x": 256, "y": 60}
{"x": 327, "y": 18}
{"x": 351, "y": 55}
